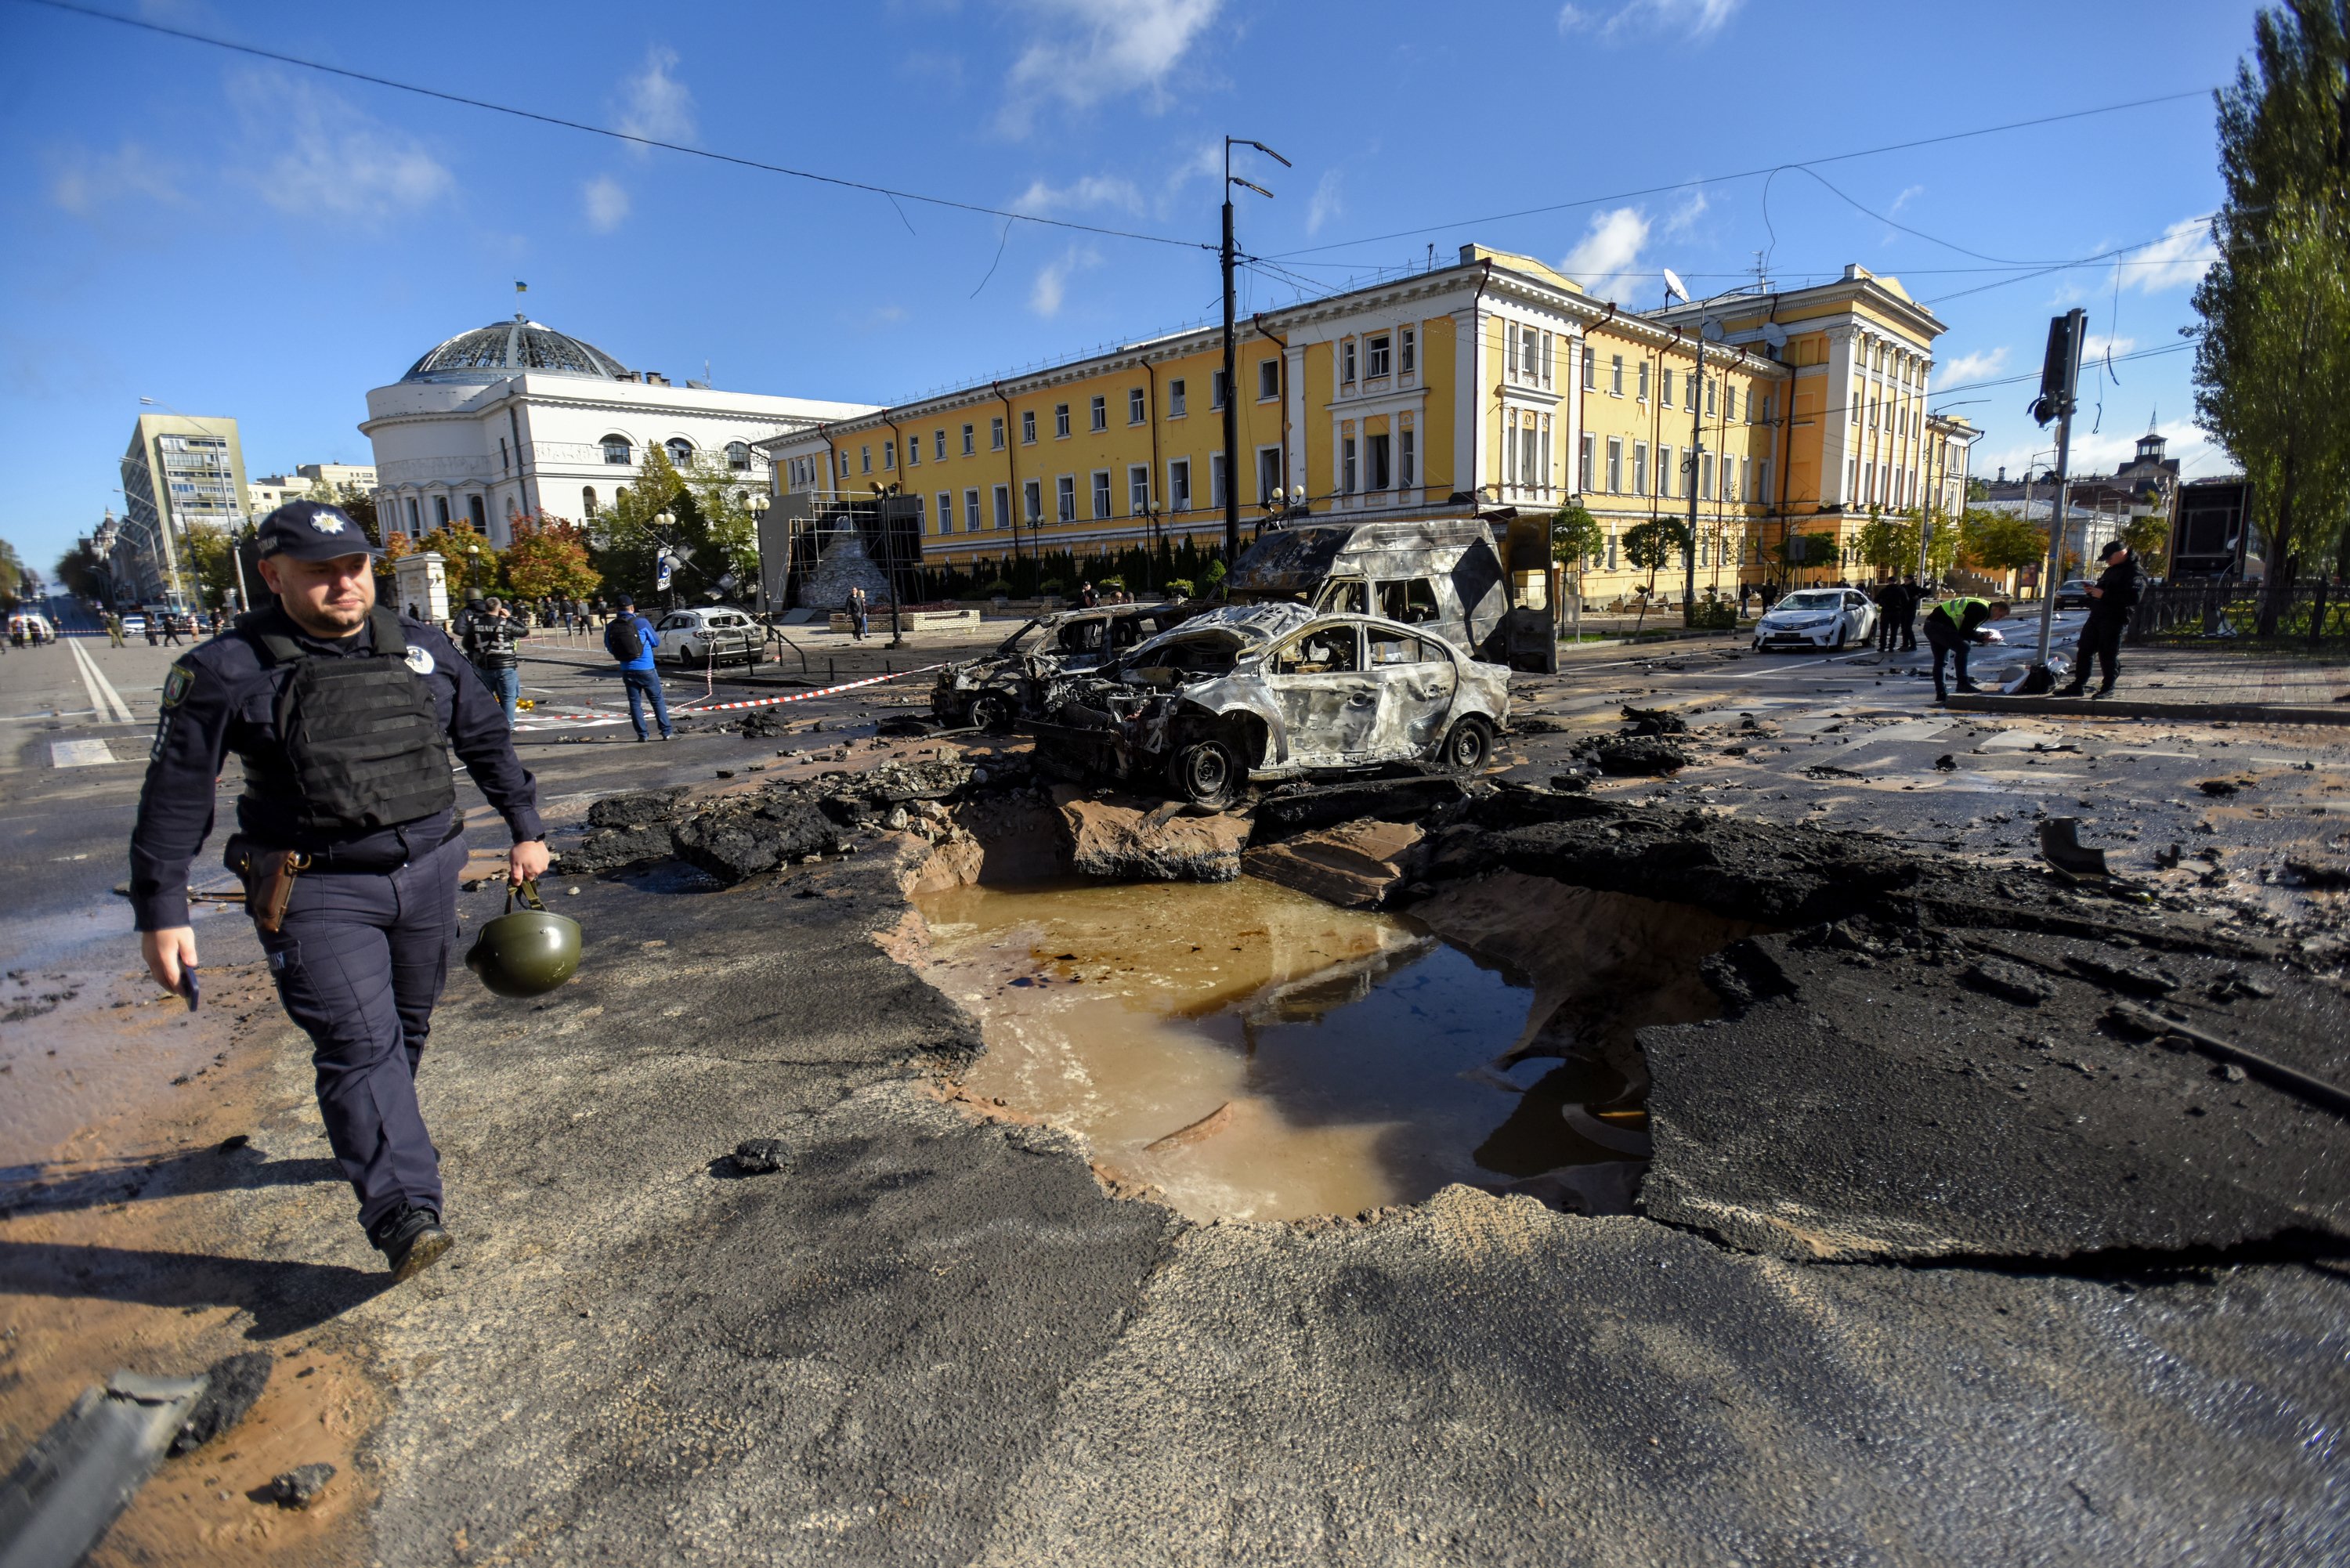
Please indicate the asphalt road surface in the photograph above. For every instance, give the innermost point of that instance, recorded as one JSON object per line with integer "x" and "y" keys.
{"x": 931, "y": 1338}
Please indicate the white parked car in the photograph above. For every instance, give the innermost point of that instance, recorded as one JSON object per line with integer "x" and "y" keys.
{"x": 713, "y": 634}
{"x": 1818, "y": 618}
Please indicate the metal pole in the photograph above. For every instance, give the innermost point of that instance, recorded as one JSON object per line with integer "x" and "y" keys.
{"x": 2055, "y": 533}
{"x": 1696, "y": 461}
{"x": 1231, "y": 389}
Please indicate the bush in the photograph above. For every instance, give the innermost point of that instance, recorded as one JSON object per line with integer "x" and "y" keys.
{"x": 998, "y": 588}
{"x": 1116, "y": 584}
{"x": 1048, "y": 588}
{"x": 1178, "y": 587}
{"x": 1714, "y": 615}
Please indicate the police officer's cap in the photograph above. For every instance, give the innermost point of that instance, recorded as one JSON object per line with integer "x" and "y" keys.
{"x": 2113, "y": 547}
{"x": 312, "y": 531}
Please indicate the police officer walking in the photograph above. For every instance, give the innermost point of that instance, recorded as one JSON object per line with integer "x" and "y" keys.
{"x": 2111, "y": 599}
{"x": 1956, "y": 626}
{"x": 490, "y": 633}
{"x": 343, "y": 713}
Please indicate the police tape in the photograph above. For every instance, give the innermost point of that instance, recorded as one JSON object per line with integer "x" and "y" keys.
{"x": 684, "y": 707}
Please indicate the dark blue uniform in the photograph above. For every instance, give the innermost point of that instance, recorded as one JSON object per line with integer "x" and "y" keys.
{"x": 363, "y": 951}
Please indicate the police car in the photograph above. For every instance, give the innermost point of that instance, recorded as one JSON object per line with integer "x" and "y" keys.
{"x": 719, "y": 634}
{"x": 1818, "y": 618}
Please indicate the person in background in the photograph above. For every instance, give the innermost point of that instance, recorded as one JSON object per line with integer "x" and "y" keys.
{"x": 631, "y": 640}
{"x": 113, "y": 629}
{"x": 1956, "y": 626}
{"x": 490, "y": 631}
{"x": 2111, "y": 599}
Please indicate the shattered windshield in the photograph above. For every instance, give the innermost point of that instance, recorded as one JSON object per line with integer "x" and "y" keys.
{"x": 1024, "y": 640}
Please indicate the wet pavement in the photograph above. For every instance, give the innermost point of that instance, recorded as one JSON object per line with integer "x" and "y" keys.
{"x": 934, "y": 1335}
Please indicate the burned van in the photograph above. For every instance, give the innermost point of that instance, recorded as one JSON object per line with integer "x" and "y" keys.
{"x": 1260, "y": 693}
{"x": 1441, "y": 574}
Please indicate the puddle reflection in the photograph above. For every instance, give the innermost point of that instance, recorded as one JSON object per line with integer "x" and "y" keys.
{"x": 1257, "y": 1053}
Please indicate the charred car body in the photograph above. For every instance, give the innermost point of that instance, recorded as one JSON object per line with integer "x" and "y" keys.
{"x": 993, "y": 691}
{"x": 1259, "y": 693}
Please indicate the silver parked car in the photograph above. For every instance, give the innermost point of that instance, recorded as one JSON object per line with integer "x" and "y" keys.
{"x": 701, "y": 639}
{"x": 1258, "y": 693}
{"x": 992, "y": 691}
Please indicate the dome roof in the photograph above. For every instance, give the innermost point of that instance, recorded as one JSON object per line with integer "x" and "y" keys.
{"x": 503, "y": 349}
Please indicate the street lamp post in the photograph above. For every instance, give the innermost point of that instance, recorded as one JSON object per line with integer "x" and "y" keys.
{"x": 759, "y": 505}
{"x": 1232, "y": 387}
{"x": 663, "y": 520}
{"x": 472, "y": 572}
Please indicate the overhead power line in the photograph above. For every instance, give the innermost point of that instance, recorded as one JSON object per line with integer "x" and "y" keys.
{"x": 1804, "y": 163}
{"x": 741, "y": 162}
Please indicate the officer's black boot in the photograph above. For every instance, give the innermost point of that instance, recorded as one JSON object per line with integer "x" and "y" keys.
{"x": 410, "y": 1241}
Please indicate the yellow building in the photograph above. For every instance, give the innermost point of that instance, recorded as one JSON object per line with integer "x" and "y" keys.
{"x": 1495, "y": 382}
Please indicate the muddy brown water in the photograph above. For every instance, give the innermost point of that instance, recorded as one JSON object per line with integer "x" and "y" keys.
{"x": 1256, "y": 1054}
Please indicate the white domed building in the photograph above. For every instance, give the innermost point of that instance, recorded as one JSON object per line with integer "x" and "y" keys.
{"x": 515, "y": 419}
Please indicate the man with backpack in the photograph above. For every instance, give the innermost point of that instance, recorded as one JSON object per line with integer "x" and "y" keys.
{"x": 631, "y": 640}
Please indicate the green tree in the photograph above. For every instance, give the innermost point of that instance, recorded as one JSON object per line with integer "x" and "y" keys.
{"x": 1993, "y": 541}
{"x": 1889, "y": 542}
{"x": 1576, "y": 538}
{"x": 211, "y": 558}
{"x": 548, "y": 558}
{"x": 2273, "y": 363}
{"x": 2148, "y": 537}
{"x": 83, "y": 571}
{"x": 467, "y": 571}
{"x": 1650, "y": 545}
{"x": 13, "y": 579}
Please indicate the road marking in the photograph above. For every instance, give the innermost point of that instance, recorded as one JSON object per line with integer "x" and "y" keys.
{"x": 79, "y": 754}
{"x": 102, "y": 694}
{"x": 1908, "y": 730}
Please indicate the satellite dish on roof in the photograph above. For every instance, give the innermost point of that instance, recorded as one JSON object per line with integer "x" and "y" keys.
{"x": 1712, "y": 330}
{"x": 1674, "y": 287}
{"x": 1775, "y": 334}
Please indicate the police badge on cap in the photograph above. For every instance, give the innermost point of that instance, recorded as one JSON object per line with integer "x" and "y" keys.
{"x": 312, "y": 531}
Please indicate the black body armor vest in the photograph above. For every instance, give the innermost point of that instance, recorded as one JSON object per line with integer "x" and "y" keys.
{"x": 360, "y": 742}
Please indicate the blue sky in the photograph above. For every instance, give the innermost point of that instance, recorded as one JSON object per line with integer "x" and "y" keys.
{"x": 229, "y": 235}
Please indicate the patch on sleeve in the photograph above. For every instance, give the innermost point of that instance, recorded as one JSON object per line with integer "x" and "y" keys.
{"x": 419, "y": 660}
{"x": 177, "y": 685}
{"x": 162, "y": 733}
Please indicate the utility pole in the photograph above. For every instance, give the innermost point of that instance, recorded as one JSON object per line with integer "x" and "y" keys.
{"x": 1231, "y": 367}
{"x": 2060, "y": 375}
{"x": 1696, "y": 461}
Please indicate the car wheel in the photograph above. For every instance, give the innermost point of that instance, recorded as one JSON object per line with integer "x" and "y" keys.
{"x": 1469, "y": 746}
{"x": 992, "y": 712}
{"x": 1205, "y": 773}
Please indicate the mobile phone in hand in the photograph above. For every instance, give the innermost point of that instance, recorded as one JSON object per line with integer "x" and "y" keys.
{"x": 188, "y": 987}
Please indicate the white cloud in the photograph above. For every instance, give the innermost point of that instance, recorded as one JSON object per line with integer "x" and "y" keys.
{"x": 1089, "y": 50}
{"x": 89, "y": 184}
{"x": 1686, "y": 215}
{"x": 1691, "y": 21}
{"x": 606, "y": 201}
{"x": 1609, "y": 250}
{"x": 1052, "y": 283}
{"x": 1969, "y": 368}
{"x": 318, "y": 155}
{"x": 655, "y": 104}
{"x": 2104, "y": 452}
{"x": 1327, "y": 202}
{"x": 1092, "y": 192}
{"x": 2181, "y": 256}
{"x": 1908, "y": 194}
{"x": 2095, "y": 347}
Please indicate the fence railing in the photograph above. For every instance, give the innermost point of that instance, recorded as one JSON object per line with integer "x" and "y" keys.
{"x": 2312, "y": 613}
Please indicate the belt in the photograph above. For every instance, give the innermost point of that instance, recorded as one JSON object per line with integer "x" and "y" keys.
{"x": 343, "y": 859}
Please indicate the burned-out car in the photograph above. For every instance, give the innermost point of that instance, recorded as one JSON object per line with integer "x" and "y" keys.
{"x": 1256, "y": 693}
{"x": 993, "y": 691}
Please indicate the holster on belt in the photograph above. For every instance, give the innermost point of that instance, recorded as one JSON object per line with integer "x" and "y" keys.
{"x": 268, "y": 875}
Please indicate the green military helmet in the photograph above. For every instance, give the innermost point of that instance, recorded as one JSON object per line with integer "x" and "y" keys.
{"x": 526, "y": 951}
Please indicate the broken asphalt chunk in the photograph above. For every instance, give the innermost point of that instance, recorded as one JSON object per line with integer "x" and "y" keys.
{"x": 758, "y": 1156}
{"x": 231, "y": 1389}
{"x": 2011, "y": 982}
{"x": 299, "y": 1487}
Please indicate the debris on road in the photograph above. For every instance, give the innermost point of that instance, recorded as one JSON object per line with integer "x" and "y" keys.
{"x": 299, "y": 1487}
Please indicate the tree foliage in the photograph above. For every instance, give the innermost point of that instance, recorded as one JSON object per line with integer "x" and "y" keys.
{"x": 83, "y": 571}
{"x": 1993, "y": 541}
{"x": 2273, "y": 363}
{"x": 1650, "y": 545}
{"x": 1575, "y": 536}
{"x": 1889, "y": 542}
{"x": 13, "y": 579}
{"x": 548, "y": 558}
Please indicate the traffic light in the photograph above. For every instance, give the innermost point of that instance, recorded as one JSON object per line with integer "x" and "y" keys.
{"x": 2060, "y": 371}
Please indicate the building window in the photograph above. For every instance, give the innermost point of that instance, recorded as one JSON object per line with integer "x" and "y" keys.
{"x": 1136, "y": 409}
{"x": 844, "y": 465}
{"x": 1583, "y": 462}
{"x": 1060, "y": 420}
{"x": 1407, "y": 459}
{"x": 1268, "y": 475}
{"x": 939, "y": 444}
{"x": 1640, "y": 468}
{"x": 738, "y": 457}
{"x": 1345, "y": 465}
{"x": 967, "y": 434}
{"x": 1611, "y": 550}
{"x": 971, "y": 511}
{"x": 1179, "y": 483}
{"x": 1216, "y": 481}
{"x": 1346, "y": 362}
{"x": 505, "y": 459}
{"x": 1032, "y": 500}
{"x": 441, "y": 512}
{"x": 1688, "y": 393}
{"x": 1530, "y": 452}
{"x": 888, "y": 455}
{"x": 1138, "y": 490}
{"x": 1216, "y": 390}
{"x": 414, "y": 530}
{"x": 1064, "y": 498}
{"x": 1730, "y": 404}
{"x": 1377, "y": 352}
{"x": 1101, "y": 493}
{"x": 1027, "y": 427}
{"x": 1590, "y": 369}
{"x": 1616, "y": 374}
{"x": 680, "y": 451}
{"x": 1002, "y": 497}
{"x": 1712, "y": 386}
{"x": 587, "y": 505}
{"x": 1665, "y": 386}
{"x": 1705, "y": 476}
{"x": 1268, "y": 380}
{"x": 616, "y": 450}
{"x": 1377, "y": 451}
{"x": 473, "y": 510}
{"x": 1644, "y": 381}
{"x": 1175, "y": 399}
{"x": 1407, "y": 351}
{"x": 914, "y": 452}
{"x": 946, "y": 511}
